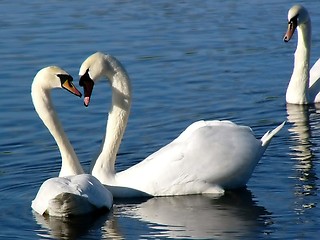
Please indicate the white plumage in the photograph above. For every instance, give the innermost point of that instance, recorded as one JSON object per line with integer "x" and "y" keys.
{"x": 207, "y": 158}
{"x": 304, "y": 87}
{"x": 73, "y": 195}
{"x": 73, "y": 192}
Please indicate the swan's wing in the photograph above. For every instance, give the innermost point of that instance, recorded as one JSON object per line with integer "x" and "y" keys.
{"x": 89, "y": 187}
{"x": 314, "y": 83}
{"x": 173, "y": 148}
{"x": 199, "y": 124}
{"x": 219, "y": 153}
{"x": 225, "y": 150}
{"x": 49, "y": 190}
{"x": 314, "y": 73}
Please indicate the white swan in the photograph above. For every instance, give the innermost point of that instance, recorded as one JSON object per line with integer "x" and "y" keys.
{"x": 208, "y": 157}
{"x": 72, "y": 193}
{"x": 304, "y": 87}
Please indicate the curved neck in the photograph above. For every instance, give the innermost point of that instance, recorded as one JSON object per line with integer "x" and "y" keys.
{"x": 117, "y": 120}
{"x": 43, "y": 105}
{"x": 297, "y": 91}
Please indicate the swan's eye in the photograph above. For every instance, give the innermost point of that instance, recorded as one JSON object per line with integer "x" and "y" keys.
{"x": 291, "y": 25}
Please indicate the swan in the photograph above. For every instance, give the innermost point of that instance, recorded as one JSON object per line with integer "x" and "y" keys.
{"x": 73, "y": 192}
{"x": 207, "y": 158}
{"x": 304, "y": 86}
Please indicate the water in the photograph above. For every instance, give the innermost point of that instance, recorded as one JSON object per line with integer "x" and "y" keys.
{"x": 187, "y": 60}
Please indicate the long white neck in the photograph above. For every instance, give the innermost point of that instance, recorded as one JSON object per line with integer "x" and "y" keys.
{"x": 104, "y": 166}
{"x": 43, "y": 105}
{"x": 297, "y": 92}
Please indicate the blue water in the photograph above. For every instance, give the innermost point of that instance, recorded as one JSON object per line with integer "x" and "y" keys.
{"x": 188, "y": 60}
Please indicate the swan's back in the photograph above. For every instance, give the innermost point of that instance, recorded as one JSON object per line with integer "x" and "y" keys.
{"x": 314, "y": 83}
{"x": 73, "y": 195}
{"x": 207, "y": 154}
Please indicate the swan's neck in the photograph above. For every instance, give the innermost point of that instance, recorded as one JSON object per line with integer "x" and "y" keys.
{"x": 43, "y": 105}
{"x": 297, "y": 92}
{"x": 104, "y": 166}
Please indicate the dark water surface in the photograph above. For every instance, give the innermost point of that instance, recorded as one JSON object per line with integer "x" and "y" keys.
{"x": 188, "y": 60}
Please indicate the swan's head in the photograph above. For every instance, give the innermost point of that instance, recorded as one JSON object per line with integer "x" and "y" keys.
{"x": 92, "y": 70}
{"x": 297, "y": 16}
{"x": 55, "y": 77}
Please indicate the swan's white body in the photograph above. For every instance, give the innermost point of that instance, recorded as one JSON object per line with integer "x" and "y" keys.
{"x": 72, "y": 193}
{"x": 207, "y": 158}
{"x": 304, "y": 87}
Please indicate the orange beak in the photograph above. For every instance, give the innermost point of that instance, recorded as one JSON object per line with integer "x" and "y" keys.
{"x": 68, "y": 85}
{"x": 292, "y": 25}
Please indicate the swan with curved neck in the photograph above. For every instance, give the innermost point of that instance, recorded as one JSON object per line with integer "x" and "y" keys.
{"x": 73, "y": 192}
{"x": 207, "y": 158}
{"x": 304, "y": 86}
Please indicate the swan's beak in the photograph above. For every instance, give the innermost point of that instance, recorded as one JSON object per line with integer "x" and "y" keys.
{"x": 292, "y": 25}
{"x": 87, "y": 83}
{"x": 68, "y": 85}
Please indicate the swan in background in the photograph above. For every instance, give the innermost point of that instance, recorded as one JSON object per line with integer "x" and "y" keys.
{"x": 73, "y": 192}
{"x": 207, "y": 158}
{"x": 304, "y": 86}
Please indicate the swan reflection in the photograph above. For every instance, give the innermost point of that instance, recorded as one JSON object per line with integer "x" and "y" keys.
{"x": 298, "y": 115}
{"x": 75, "y": 227}
{"x": 235, "y": 214}
{"x": 302, "y": 151}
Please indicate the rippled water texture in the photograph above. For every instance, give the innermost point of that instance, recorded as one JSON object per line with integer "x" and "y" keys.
{"x": 188, "y": 60}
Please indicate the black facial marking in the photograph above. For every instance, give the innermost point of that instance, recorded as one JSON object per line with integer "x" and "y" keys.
{"x": 84, "y": 77}
{"x": 64, "y": 78}
{"x": 293, "y": 21}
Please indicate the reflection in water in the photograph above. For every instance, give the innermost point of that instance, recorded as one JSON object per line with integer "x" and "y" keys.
{"x": 234, "y": 215}
{"x": 198, "y": 216}
{"x": 298, "y": 115}
{"x": 73, "y": 228}
{"x": 301, "y": 147}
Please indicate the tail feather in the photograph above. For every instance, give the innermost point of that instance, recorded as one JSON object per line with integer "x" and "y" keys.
{"x": 269, "y": 135}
